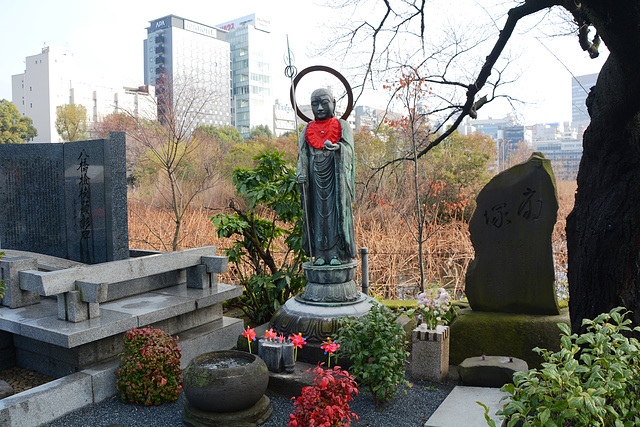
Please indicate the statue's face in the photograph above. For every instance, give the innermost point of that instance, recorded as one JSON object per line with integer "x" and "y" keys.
{"x": 323, "y": 105}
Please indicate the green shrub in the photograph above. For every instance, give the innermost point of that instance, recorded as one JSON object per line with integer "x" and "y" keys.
{"x": 273, "y": 215}
{"x": 375, "y": 344}
{"x": 594, "y": 380}
{"x": 150, "y": 370}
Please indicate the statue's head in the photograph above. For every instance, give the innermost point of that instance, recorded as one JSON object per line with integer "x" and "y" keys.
{"x": 323, "y": 104}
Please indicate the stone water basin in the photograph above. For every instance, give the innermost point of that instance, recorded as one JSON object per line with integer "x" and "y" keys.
{"x": 225, "y": 381}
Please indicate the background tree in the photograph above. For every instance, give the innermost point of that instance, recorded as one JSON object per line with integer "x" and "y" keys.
{"x": 71, "y": 122}
{"x": 227, "y": 134}
{"x": 178, "y": 163}
{"x": 121, "y": 122}
{"x": 14, "y": 128}
{"x": 261, "y": 131}
{"x": 603, "y": 229}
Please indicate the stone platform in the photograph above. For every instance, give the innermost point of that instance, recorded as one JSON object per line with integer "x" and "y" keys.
{"x": 316, "y": 322}
{"x": 177, "y": 292}
{"x": 474, "y": 333}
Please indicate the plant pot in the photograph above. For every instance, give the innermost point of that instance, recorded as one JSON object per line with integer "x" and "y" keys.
{"x": 225, "y": 381}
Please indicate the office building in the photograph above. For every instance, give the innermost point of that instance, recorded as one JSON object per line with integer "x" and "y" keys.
{"x": 190, "y": 60}
{"x": 580, "y": 87}
{"x": 49, "y": 81}
{"x": 252, "y": 55}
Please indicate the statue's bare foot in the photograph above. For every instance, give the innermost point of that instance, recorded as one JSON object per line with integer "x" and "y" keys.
{"x": 319, "y": 261}
{"x": 335, "y": 261}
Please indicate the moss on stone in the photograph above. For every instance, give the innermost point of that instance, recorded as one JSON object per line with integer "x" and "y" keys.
{"x": 396, "y": 305}
{"x": 474, "y": 333}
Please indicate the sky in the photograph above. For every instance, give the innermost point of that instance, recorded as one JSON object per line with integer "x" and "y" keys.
{"x": 106, "y": 38}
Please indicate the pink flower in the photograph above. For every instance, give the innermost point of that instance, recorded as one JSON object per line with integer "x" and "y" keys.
{"x": 298, "y": 340}
{"x": 270, "y": 334}
{"x": 329, "y": 348}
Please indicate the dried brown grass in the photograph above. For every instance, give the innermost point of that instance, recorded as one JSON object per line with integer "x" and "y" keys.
{"x": 393, "y": 259}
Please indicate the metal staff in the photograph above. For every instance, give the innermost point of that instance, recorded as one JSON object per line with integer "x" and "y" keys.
{"x": 291, "y": 71}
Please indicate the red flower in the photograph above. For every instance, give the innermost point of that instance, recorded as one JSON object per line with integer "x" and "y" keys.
{"x": 250, "y": 334}
{"x": 298, "y": 340}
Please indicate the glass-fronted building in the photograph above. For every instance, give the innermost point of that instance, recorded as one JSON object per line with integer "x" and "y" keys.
{"x": 252, "y": 70}
{"x": 194, "y": 58}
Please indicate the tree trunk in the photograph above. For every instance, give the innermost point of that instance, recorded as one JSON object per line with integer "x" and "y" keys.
{"x": 603, "y": 230}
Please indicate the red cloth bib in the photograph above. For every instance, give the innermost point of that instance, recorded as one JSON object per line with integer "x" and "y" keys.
{"x": 319, "y": 131}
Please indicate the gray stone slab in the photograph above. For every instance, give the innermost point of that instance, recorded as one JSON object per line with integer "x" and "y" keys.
{"x": 45, "y": 262}
{"x": 57, "y": 282}
{"x": 218, "y": 335}
{"x": 511, "y": 229}
{"x": 198, "y": 278}
{"x": 103, "y": 378}
{"x": 47, "y": 402}
{"x": 460, "y": 409}
{"x": 141, "y": 285}
{"x": 151, "y": 307}
{"x": 205, "y": 297}
{"x": 93, "y": 292}
{"x": 216, "y": 264}
{"x": 45, "y": 365}
{"x": 41, "y": 322}
{"x": 14, "y": 296}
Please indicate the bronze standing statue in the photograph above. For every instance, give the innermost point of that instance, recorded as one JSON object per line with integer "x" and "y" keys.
{"x": 326, "y": 174}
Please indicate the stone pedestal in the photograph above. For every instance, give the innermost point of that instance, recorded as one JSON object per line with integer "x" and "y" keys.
{"x": 490, "y": 371}
{"x": 430, "y": 353}
{"x": 474, "y": 333}
{"x": 256, "y": 415}
{"x": 330, "y": 295}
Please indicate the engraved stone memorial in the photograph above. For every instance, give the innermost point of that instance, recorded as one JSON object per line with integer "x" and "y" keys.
{"x": 67, "y": 200}
{"x": 511, "y": 228}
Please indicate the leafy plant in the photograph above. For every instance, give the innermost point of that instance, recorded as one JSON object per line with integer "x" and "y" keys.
{"x": 593, "y": 380}
{"x": 326, "y": 402}
{"x": 150, "y": 370}
{"x": 375, "y": 344}
{"x": 273, "y": 211}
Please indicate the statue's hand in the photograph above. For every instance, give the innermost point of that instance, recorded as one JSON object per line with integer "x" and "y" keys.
{"x": 331, "y": 146}
{"x": 302, "y": 179}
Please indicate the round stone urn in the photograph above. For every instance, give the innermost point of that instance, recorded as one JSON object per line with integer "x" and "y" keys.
{"x": 225, "y": 381}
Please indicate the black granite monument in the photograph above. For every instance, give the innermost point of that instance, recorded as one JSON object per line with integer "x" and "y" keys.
{"x": 67, "y": 200}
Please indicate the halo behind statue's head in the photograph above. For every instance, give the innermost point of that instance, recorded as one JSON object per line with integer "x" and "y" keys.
{"x": 329, "y": 70}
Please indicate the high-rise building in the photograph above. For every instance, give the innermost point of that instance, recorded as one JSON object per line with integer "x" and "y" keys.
{"x": 580, "y": 87}
{"x": 44, "y": 85}
{"x": 49, "y": 81}
{"x": 252, "y": 68}
{"x": 192, "y": 59}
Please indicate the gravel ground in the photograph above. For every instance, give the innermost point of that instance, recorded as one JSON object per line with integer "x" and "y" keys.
{"x": 411, "y": 410}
